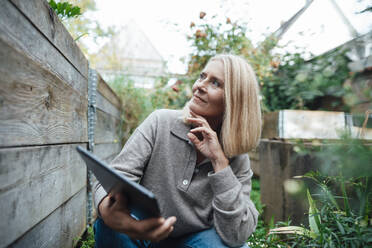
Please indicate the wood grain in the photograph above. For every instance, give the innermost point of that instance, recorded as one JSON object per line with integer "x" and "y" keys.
{"x": 17, "y": 31}
{"x": 106, "y": 106}
{"x": 107, "y": 152}
{"x": 37, "y": 107}
{"x": 108, "y": 93}
{"x": 107, "y": 129}
{"x": 35, "y": 181}
{"x": 48, "y": 23}
{"x": 61, "y": 228}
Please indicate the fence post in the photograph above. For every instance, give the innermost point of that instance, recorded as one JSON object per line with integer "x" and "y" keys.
{"x": 92, "y": 95}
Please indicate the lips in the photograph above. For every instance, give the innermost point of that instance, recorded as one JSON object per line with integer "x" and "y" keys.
{"x": 199, "y": 98}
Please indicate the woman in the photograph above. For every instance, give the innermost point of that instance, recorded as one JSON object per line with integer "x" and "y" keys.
{"x": 195, "y": 162}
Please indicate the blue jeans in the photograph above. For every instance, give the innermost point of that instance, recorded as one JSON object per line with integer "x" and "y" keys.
{"x": 106, "y": 237}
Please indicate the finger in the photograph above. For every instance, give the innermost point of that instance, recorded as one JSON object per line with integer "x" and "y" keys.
{"x": 195, "y": 121}
{"x": 198, "y": 122}
{"x": 117, "y": 220}
{"x": 194, "y": 139}
{"x": 196, "y": 115}
{"x": 143, "y": 226}
{"x": 164, "y": 230}
{"x": 205, "y": 131}
{"x": 171, "y": 221}
{"x": 164, "y": 235}
{"x": 193, "y": 115}
{"x": 119, "y": 202}
{"x": 104, "y": 205}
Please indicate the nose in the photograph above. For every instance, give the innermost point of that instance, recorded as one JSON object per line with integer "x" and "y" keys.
{"x": 200, "y": 85}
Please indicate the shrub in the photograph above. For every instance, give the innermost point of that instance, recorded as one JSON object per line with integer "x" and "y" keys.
{"x": 343, "y": 196}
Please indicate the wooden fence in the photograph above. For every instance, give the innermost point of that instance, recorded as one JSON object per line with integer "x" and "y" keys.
{"x": 44, "y": 80}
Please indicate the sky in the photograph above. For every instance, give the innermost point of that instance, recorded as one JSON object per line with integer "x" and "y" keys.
{"x": 166, "y": 22}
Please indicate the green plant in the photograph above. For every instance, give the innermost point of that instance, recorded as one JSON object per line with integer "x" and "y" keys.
{"x": 82, "y": 26}
{"x": 138, "y": 103}
{"x": 340, "y": 216}
{"x": 301, "y": 84}
{"x": 87, "y": 241}
{"x": 163, "y": 96}
{"x": 287, "y": 81}
{"x": 260, "y": 237}
{"x": 65, "y": 10}
{"x": 135, "y": 104}
{"x": 209, "y": 36}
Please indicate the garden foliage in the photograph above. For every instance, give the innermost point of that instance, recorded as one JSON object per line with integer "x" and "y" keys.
{"x": 138, "y": 103}
{"x": 65, "y": 10}
{"x": 315, "y": 84}
{"x": 340, "y": 212}
{"x": 287, "y": 80}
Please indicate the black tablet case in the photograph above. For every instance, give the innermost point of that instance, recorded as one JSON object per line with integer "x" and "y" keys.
{"x": 142, "y": 203}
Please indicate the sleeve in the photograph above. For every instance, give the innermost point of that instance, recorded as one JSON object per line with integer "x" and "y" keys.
{"x": 134, "y": 156}
{"x": 235, "y": 216}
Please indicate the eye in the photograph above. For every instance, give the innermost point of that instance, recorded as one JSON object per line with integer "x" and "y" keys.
{"x": 216, "y": 83}
{"x": 202, "y": 75}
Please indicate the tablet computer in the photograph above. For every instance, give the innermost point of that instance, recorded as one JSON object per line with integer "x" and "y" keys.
{"x": 142, "y": 203}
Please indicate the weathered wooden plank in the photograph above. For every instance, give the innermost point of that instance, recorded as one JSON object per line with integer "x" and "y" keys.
{"x": 278, "y": 164}
{"x": 36, "y": 107}
{"x": 107, "y": 128}
{"x": 49, "y": 24}
{"x": 34, "y": 181}
{"x": 61, "y": 228}
{"x": 18, "y": 32}
{"x": 108, "y": 93}
{"x": 107, "y": 152}
{"x": 303, "y": 124}
{"x": 254, "y": 158}
{"x": 270, "y": 128}
{"x": 106, "y": 106}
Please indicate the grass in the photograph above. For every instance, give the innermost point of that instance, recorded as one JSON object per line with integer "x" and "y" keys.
{"x": 260, "y": 238}
{"x": 87, "y": 240}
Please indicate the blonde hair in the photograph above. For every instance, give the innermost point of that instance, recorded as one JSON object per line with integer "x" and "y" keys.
{"x": 241, "y": 126}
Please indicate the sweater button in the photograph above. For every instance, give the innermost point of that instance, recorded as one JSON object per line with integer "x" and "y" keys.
{"x": 185, "y": 182}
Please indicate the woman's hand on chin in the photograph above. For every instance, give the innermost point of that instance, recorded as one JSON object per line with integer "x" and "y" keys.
{"x": 209, "y": 146}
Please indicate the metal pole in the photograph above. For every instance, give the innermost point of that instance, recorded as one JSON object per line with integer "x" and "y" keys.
{"x": 92, "y": 96}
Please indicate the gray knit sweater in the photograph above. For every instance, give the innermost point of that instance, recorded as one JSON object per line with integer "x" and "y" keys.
{"x": 160, "y": 157}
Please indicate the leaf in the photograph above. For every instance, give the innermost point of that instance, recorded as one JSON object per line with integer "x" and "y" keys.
{"x": 340, "y": 227}
{"x": 53, "y": 4}
{"x": 314, "y": 220}
{"x": 346, "y": 200}
{"x": 293, "y": 230}
{"x": 330, "y": 196}
{"x": 65, "y": 9}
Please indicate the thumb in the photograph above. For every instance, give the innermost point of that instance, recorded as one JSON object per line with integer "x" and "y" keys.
{"x": 194, "y": 139}
{"x": 120, "y": 202}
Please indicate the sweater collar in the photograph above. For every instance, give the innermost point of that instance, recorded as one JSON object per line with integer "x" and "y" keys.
{"x": 180, "y": 129}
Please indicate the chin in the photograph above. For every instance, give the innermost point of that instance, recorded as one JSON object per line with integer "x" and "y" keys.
{"x": 196, "y": 109}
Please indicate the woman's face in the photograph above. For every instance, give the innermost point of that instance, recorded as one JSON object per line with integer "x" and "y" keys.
{"x": 208, "y": 91}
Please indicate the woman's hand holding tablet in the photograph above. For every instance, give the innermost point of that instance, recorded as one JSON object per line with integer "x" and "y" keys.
{"x": 114, "y": 212}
